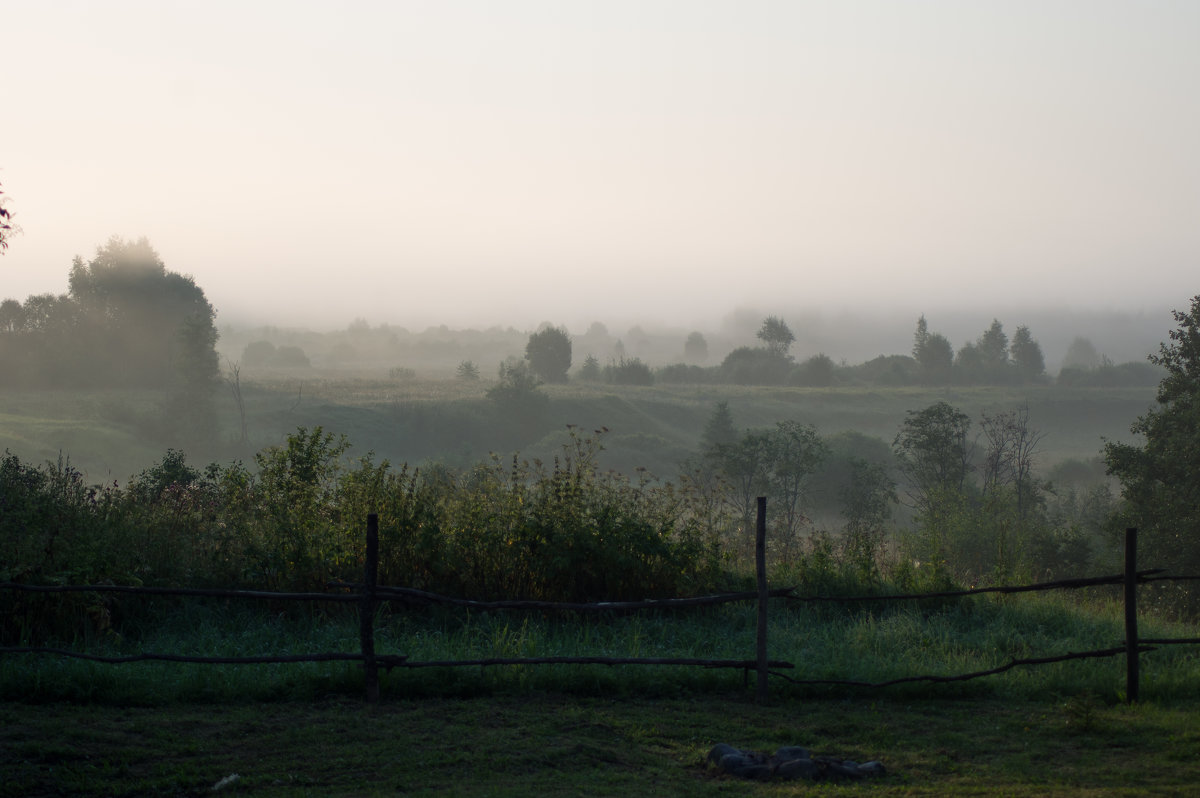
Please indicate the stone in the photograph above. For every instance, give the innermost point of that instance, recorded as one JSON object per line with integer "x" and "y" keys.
{"x": 789, "y": 763}
{"x": 792, "y": 752}
{"x": 719, "y": 750}
{"x": 802, "y": 768}
{"x": 836, "y": 770}
{"x": 756, "y": 772}
{"x": 732, "y": 763}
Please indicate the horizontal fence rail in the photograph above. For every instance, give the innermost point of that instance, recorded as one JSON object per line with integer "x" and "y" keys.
{"x": 368, "y": 595}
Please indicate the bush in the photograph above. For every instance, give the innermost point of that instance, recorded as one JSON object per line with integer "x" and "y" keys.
{"x": 1133, "y": 374}
{"x": 629, "y": 372}
{"x": 686, "y": 374}
{"x": 566, "y": 532}
{"x": 756, "y": 366}
{"x": 816, "y": 372}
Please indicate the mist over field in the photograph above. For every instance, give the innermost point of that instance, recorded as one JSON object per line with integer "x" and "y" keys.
{"x": 844, "y": 335}
{"x": 902, "y": 265}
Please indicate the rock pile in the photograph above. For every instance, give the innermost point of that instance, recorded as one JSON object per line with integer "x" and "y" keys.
{"x": 790, "y": 762}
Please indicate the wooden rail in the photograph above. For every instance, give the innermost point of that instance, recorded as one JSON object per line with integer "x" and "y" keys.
{"x": 368, "y": 595}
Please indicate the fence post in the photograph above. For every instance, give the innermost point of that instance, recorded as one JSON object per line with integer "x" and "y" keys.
{"x": 366, "y": 628}
{"x": 760, "y": 568}
{"x": 1131, "y": 629}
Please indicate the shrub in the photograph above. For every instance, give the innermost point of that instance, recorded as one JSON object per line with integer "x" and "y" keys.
{"x": 629, "y": 372}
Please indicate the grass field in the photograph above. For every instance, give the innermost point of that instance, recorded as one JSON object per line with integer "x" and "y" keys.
{"x": 561, "y": 745}
{"x": 69, "y": 727}
{"x": 111, "y": 434}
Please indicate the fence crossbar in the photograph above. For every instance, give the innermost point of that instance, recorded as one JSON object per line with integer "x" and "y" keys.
{"x": 385, "y": 593}
{"x": 408, "y": 593}
{"x": 1061, "y": 584}
{"x": 181, "y": 591}
{"x": 962, "y": 677}
{"x": 742, "y": 664}
{"x": 394, "y": 660}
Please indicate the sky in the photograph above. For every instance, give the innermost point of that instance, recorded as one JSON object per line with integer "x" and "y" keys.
{"x": 479, "y": 163}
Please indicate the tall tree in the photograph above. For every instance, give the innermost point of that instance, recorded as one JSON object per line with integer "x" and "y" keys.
{"x": 12, "y": 316}
{"x": 590, "y": 371}
{"x": 695, "y": 348}
{"x": 795, "y": 452}
{"x": 746, "y": 464}
{"x": 138, "y": 314}
{"x": 549, "y": 353}
{"x": 937, "y": 359}
{"x": 920, "y": 338}
{"x": 196, "y": 375}
{"x": 1161, "y": 478}
{"x": 1081, "y": 354}
{"x": 993, "y": 346}
{"x": 718, "y": 430}
{"x": 128, "y": 322}
{"x": 1027, "y": 355}
{"x": 933, "y": 353}
{"x": 933, "y": 452}
{"x": 1009, "y": 457}
{"x": 776, "y": 335}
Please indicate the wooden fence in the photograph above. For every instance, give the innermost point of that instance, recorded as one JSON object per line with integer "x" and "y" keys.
{"x": 370, "y": 595}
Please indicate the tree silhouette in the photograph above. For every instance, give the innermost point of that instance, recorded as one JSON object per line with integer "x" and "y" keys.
{"x": 1026, "y": 355}
{"x": 776, "y": 335}
{"x": 1161, "y": 478}
{"x": 549, "y": 353}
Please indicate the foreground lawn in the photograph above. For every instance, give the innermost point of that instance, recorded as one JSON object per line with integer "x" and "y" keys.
{"x": 549, "y": 744}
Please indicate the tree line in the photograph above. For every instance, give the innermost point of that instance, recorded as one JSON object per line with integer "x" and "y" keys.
{"x": 991, "y": 359}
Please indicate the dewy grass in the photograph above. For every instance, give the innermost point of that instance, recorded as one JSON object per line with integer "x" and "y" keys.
{"x": 825, "y": 642}
{"x": 551, "y": 744}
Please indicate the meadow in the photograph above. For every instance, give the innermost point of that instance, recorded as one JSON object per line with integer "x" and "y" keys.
{"x": 113, "y": 434}
{"x": 83, "y": 728}
{"x": 1060, "y": 728}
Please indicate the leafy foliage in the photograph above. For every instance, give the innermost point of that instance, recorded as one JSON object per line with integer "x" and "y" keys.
{"x": 756, "y": 366}
{"x": 127, "y": 322}
{"x": 6, "y": 227}
{"x": 695, "y": 348}
{"x": 549, "y": 353}
{"x": 467, "y": 371}
{"x": 1027, "y": 355}
{"x": 1161, "y": 479}
{"x": 817, "y": 371}
{"x": 933, "y": 452}
{"x": 517, "y": 388}
{"x": 777, "y": 336}
{"x": 629, "y": 371}
{"x": 567, "y": 531}
{"x": 719, "y": 430}
{"x": 590, "y": 371}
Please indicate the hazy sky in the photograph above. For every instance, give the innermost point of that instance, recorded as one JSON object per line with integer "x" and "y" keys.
{"x": 511, "y": 162}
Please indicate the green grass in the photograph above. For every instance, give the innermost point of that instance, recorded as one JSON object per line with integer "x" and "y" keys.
{"x": 824, "y": 642}
{"x": 108, "y": 434}
{"x": 558, "y": 745}
{"x": 83, "y": 728}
